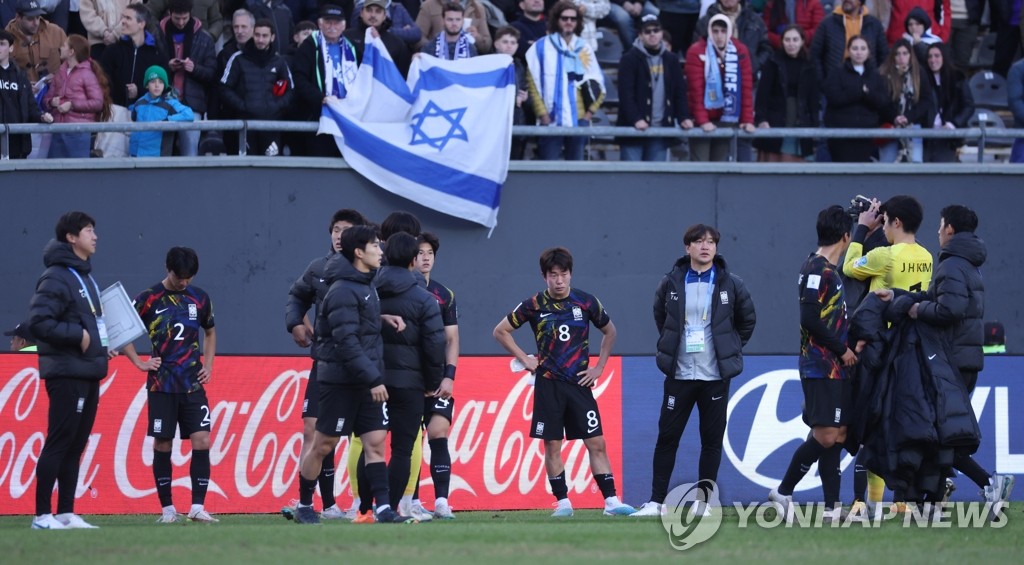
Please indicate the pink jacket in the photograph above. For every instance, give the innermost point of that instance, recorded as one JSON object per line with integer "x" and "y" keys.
{"x": 80, "y": 87}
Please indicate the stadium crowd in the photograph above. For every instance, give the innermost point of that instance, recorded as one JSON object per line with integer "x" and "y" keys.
{"x": 735, "y": 64}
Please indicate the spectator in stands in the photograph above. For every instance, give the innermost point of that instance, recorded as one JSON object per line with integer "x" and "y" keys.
{"x": 779, "y": 14}
{"x": 193, "y": 66}
{"x": 506, "y": 42}
{"x": 431, "y": 21}
{"x": 591, "y": 11}
{"x": 158, "y": 104}
{"x": 101, "y": 19}
{"x": 652, "y": 92}
{"x": 623, "y": 16}
{"x": 300, "y": 32}
{"x": 831, "y": 40}
{"x": 257, "y": 85}
{"x": 1015, "y": 93}
{"x": 136, "y": 51}
{"x": 748, "y": 28}
{"x": 679, "y": 18}
{"x": 454, "y": 42}
{"x": 280, "y": 17}
{"x": 569, "y": 98}
{"x": 966, "y": 18}
{"x": 17, "y": 105}
{"x": 856, "y": 97}
{"x": 37, "y": 42}
{"x": 919, "y": 33}
{"x": 242, "y": 22}
{"x": 79, "y": 93}
{"x": 787, "y": 96}
{"x": 531, "y": 25}
{"x": 325, "y": 67}
{"x": 721, "y": 88}
{"x": 374, "y": 15}
{"x": 910, "y": 93}
{"x": 402, "y": 24}
{"x": 936, "y": 10}
{"x": 954, "y": 103}
{"x": 1006, "y": 20}
{"x": 206, "y": 12}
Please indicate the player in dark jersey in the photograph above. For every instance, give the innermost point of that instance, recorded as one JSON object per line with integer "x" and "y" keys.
{"x": 824, "y": 361}
{"x": 174, "y": 311}
{"x": 563, "y": 402}
{"x": 306, "y": 292}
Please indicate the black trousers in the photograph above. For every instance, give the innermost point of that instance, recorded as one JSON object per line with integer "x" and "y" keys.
{"x": 711, "y": 399}
{"x": 405, "y": 414}
{"x": 72, "y": 412}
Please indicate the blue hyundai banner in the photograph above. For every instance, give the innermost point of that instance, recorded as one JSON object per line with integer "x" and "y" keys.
{"x": 765, "y": 427}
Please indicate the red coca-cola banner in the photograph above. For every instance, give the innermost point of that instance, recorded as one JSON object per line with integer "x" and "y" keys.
{"x": 256, "y": 405}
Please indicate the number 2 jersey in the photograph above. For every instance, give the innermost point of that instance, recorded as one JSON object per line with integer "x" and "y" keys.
{"x": 174, "y": 320}
{"x": 562, "y": 330}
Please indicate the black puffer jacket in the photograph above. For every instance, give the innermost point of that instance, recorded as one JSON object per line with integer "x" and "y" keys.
{"x": 828, "y": 48}
{"x": 732, "y": 317}
{"x": 247, "y": 87}
{"x": 349, "y": 350}
{"x": 849, "y": 106}
{"x": 770, "y": 103}
{"x": 414, "y": 357}
{"x": 59, "y": 312}
{"x": 307, "y": 291}
{"x": 955, "y": 301}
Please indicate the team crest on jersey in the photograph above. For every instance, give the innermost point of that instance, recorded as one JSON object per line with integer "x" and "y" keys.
{"x": 540, "y": 428}
{"x": 862, "y": 261}
{"x": 193, "y": 312}
{"x": 724, "y": 297}
{"x": 577, "y": 313}
{"x": 81, "y": 404}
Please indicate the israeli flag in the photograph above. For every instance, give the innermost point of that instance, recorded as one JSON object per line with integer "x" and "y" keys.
{"x": 442, "y": 138}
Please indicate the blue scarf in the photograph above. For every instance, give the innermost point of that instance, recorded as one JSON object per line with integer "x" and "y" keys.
{"x": 461, "y": 47}
{"x": 339, "y": 67}
{"x": 723, "y": 92}
{"x": 569, "y": 66}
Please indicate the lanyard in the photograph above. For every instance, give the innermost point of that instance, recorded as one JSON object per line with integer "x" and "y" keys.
{"x": 711, "y": 287}
{"x": 86, "y": 291}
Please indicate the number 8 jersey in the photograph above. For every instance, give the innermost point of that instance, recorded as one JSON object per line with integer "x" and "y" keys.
{"x": 562, "y": 330}
{"x": 174, "y": 320}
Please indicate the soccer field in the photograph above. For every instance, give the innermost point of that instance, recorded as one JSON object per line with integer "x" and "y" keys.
{"x": 505, "y": 537}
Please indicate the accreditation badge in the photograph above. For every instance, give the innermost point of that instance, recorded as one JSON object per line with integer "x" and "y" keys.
{"x": 694, "y": 340}
{"x": 101, "y": 326}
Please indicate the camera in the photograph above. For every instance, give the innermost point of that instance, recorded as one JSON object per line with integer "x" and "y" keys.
{"x": 858, "y": 205}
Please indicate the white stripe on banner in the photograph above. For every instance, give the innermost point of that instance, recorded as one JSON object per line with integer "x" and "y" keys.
{"x": 441, "y": 138}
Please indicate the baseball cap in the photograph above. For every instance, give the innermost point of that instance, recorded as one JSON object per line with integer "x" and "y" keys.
{"x": 29, "y": 8}
{"x": 22, "y": 331}
{"x": 650, "y": 20}
{"x": 331, "y": 12}
{"x": 382, "y": 3}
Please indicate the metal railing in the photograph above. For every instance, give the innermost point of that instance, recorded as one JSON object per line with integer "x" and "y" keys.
{"x": 983, "y": 135}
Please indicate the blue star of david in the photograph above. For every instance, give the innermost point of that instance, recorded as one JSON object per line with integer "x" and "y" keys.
{"x": 431, "y": 110}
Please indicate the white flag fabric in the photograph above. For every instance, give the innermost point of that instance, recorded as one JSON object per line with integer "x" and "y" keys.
{"x": 442, "y": 138}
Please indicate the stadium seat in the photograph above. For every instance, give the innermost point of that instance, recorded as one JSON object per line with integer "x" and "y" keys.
{"x": 611, "y": 85}
{"x": 989, "y": 90}
{"x": 609, "y": 47}
{"x": 989, "y": 119}
{"x": 984, "y": 54}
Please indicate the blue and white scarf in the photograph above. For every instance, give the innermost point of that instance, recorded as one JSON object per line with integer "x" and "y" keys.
{"x": 461, "y": 47}
{"x": 723, "y": 92}
{"x": 338, "y": 75}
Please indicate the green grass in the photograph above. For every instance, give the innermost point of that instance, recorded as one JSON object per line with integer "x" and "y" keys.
{"x": 497, "y": 537}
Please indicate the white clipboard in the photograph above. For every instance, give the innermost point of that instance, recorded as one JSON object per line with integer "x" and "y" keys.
{"x": 123, "y": 323}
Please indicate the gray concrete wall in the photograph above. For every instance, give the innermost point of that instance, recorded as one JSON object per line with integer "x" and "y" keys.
{"x": 256, "y": 224}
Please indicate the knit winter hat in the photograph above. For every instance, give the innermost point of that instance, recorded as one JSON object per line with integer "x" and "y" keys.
{"x": 155, "y": 72}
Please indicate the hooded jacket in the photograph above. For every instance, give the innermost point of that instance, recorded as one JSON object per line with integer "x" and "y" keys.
{"x": 938, "y": 12}
{"x": 414, "y": 357}
{"x": 150, "y": 109}
{"x": 732, "y": 318}
{"x": 349, "y": 349}
{"x": 750, "y": 31}
{"x": 696, "y": 83}
{"x": 307, "y": 291}
{"x": 17, "y": 106}
{"x": 82, "y": 88}
{"x": 58, "y": 313}
{"x": 197, "y": 46}
{"x": 126, "y": 64}
{"x": 41, "y": 52}
{"x": 636, "y": 90}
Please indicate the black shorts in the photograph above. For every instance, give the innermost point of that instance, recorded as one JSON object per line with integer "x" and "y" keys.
{"x": 560, "y": 405}
{"x": 346, "y": 410}
{"x": 187, "y": 411}
{"x": 441, "y": 407}
{"x": 311, "y": 401}
{"x": 827, "y": 402}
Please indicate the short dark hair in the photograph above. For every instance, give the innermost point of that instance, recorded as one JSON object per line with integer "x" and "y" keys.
{"x": 72, "y": 223}
{"x": 452, "y": 7}
{"x": 431, "y": 240}
{"x": 142, "y": 13}
{"x": 556, "y": 12}
{"x": 555, "y": 257}
{"x": 265, "y": 22}
{"x": 183, "y": 262}
{"x": 180, "y": 6}
{"x": 960, "y": 218}
{"x": 347, "y": 215}
{"x": 907, "y": 209}
{"x": 7, "y": 36}
{"x": 304, "y": 25}
{"x": 506, "y": 30}
{"x": 833, "y": 224}
{"x": 357, "y": 237}
{"x": 398, "y": 222}
{"x": 401, "y": 249}
{"x": 698, "y": 231}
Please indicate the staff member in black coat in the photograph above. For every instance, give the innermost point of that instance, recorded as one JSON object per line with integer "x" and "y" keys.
{"x": 787, "y": 96}
{"x": 66, "y": 318}
{"x": 856, "y": 97}
{"x": 652, "y": 91}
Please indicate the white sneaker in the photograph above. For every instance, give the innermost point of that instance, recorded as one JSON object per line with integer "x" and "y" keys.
{"x": 783, "y": 504}
{"x": 169, "y": 518}
{"x": 202, "y": 516}
{"x": 418, "y": 513}
{"x": 333, "y": 513}
{"x": 352, "y": 512}
{"x": 47, "y": 522}
{"x": 649, "y": 509}
{"x": 1000, "y": 488}
{"x": 442, "y": 511}
{"x": 74, "y": 521}
{"x": 702, "y": 509}
{"x": 563, "y": 509}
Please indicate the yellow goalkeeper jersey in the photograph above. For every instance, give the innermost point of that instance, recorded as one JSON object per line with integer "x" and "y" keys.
{"x": 907, "y": 266}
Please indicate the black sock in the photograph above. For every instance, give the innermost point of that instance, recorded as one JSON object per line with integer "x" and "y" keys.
{"x": 162, "y": 474}
{"x": 377, "y": 476}
{"x": 804, "y": 456}
{"x": 440, "y": 467}
{"x": 326, "y": 480}
{"x": 606, "y": 482}
{"x": 200, "y": 472}
{"x": 968, "y": 466}
{"x": 306, "y": 489}
{"x": 831, "y": 475}
{"x": 365, "y": 494}
{"x": 860, "y": 480}
{"x": 558, "y": 487}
